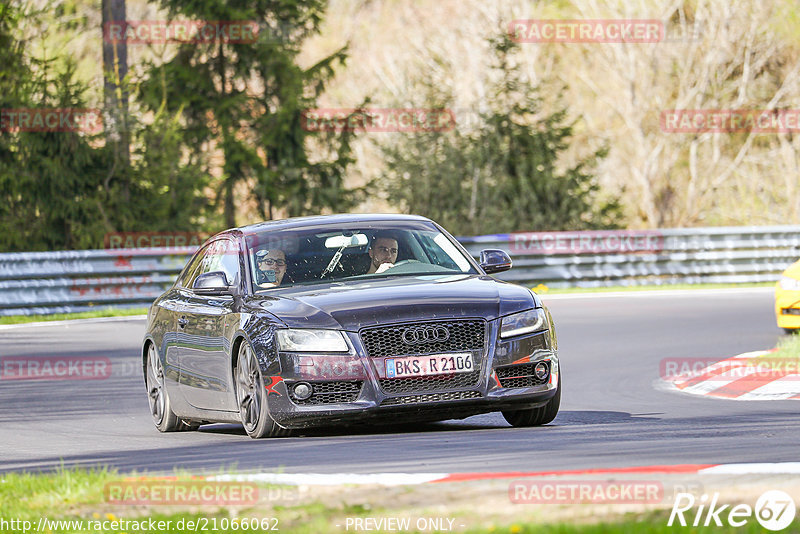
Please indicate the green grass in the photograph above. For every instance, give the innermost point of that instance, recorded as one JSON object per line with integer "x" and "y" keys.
{"x": 77, "y": 495}
{"x": 106, "y": 312}
{"x": 655, "y": 522}
{"x": 542, "y": 289}
{"x": 25, "y": 495}
{"x": 788, "y": 348}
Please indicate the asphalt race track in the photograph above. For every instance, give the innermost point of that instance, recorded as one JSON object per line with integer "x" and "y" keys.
{"x": 611, "y": 413}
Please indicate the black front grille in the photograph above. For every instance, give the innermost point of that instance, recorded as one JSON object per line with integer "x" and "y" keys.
{"x": 430, "y": 383}
{"x": 431, "y": 397}
{"x": 387, "y": 341}
{"x": 519, "y": 376}
{"x": 331, "y": 392}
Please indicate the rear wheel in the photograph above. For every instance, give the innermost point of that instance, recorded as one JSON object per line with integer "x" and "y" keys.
{"x": 536, "y": 416}
{"x": 160, "y": 407}
{"x": 790, "y": 331}
{"x": 251, "y": 397}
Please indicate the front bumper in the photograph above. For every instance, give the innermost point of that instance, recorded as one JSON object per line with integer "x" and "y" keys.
{"x": 787, "y": 308}
{"x": 355, "y": 390}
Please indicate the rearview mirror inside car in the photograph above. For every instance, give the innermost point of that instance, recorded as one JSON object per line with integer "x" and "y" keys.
{"x": 339, "y": 241}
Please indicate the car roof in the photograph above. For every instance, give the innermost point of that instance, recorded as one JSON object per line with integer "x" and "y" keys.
{"x": 299, "y": 222}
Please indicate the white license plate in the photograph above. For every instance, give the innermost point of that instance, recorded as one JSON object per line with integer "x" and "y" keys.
{"x": 432, "y": 364}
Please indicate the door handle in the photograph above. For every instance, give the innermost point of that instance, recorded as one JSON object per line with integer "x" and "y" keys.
{"x": 183, "y": 321}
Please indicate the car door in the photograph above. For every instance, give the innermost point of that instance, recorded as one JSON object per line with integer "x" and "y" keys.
{"x": 172, "y": 306}
{"x": 205, "y": 372}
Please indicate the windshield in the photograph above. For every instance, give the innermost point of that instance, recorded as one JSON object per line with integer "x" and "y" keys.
{"x": 322, "y": 254}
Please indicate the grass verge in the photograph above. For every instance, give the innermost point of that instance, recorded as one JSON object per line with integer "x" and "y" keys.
{"x": 788, "y": 348}
{"x": 75, "y": 500}
{"x": 106, "y": 312}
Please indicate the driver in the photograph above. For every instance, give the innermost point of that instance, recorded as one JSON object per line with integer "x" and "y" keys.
{"x": 382, "y": 253}
{"x": 270, "y": 267}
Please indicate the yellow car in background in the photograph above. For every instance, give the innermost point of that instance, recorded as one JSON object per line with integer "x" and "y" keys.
{"x": 787, "y": 299}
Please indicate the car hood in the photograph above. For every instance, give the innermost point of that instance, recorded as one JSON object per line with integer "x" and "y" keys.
{"x": 357, "y": 304}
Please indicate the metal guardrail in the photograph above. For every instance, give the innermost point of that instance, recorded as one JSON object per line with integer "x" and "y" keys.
{"x": 84, "y": 280}
{"x": 647, "y": 257}
{"x": 71, "y": 281}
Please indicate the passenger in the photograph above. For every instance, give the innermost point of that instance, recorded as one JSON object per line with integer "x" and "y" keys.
{"x": 271, "y": 268}
{"x": 382, "y": 253}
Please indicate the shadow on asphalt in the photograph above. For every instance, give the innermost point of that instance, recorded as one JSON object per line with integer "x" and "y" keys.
{"x": 565, "y": 418}
{"x": 361, "y": 430}
{"x": 368, "y": 449}
{"x": 599, "y": 417}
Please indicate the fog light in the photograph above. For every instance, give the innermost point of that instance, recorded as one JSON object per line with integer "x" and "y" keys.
{"x": 541, "y": 370}
{"x": 302, "y": 391}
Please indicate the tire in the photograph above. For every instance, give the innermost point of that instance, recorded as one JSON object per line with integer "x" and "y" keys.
{"x": 251, "y": 397}
{"x": 790, "y": 331}
{"x": 535, "y": 416}
{"x": 158, "y": 398}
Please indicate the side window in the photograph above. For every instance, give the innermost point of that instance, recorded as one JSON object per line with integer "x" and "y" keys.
{"x": 192, "y": 269}
{"x": 222, "y": 255}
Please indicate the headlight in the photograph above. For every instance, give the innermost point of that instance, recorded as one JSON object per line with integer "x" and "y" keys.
{"x": 790, "y": 284}
{"x": 297, "y": 340}
{"x": 523, "y": 323}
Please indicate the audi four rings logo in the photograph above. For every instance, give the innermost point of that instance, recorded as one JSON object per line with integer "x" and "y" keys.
{"x": 426, "y": 334}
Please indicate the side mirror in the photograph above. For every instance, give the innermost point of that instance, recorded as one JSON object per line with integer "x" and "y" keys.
{"x": 214, "y": 283}
{"x": 495, "y": 261}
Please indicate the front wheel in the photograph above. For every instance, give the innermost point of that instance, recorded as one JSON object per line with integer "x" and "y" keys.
{"x": 536, "y": 416}
{"x": 252, "y": 398}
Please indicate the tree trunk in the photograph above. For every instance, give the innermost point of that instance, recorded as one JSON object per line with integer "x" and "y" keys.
{"x": 115, "y": 68}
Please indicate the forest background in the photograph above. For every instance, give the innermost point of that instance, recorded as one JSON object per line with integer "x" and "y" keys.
{"x": 547, "y": 136}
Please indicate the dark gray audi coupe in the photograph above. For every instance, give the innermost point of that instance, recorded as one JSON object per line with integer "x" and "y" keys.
{"x": 343, "y": 319}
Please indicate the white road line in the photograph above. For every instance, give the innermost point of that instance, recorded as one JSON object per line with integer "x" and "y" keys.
{"x": 401, "y": 479}
{"x": 312, "y": 479}
{"x": 645, "y": 293}
{"x": 783, "y": 468}
{"x": 75, "y": 321}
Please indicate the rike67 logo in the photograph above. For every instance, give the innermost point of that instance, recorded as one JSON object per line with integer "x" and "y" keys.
{"x": 774, "y": 510}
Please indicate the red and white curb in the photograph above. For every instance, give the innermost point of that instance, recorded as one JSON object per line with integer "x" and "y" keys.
{"x": 406, "y": 479}
{"x": 749, "y": 376}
